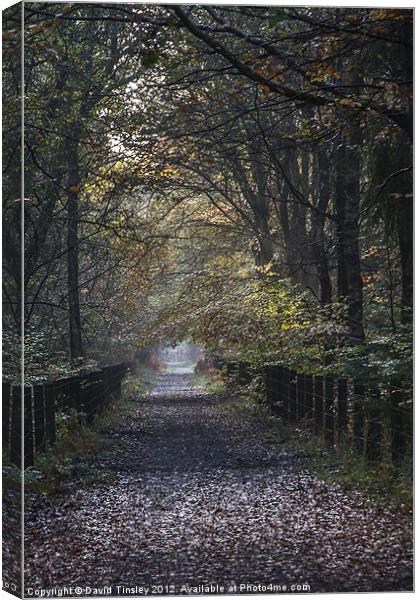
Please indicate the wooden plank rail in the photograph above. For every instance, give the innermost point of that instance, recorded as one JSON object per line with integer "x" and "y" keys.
{"x": 319, "y": 405}
{"x": 49, "y": 392}
{"x": 329, "y": 424}
{"x": 87, "y": 394}
{"x": 341, "y": 409}
{"x": 374, "y": 429}
{"x": 358, "y": 415}
{"x": 309, "y": 398}
{"x": 286, "y": 396}
{"x": 39, "y": 417}
{"x": 300, "y": 397}
{"x": 292, "y": 396}
{"x": 342, "y": 413}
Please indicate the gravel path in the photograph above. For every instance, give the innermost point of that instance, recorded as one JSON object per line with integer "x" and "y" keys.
{"x": 200, "y": 498}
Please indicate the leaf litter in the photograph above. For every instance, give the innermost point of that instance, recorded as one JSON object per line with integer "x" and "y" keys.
{"x": 199, "y": 497}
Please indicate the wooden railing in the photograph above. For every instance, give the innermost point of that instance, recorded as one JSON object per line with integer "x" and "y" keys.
{"x": 88, "y": 394}
{"x": 370, "y": 417}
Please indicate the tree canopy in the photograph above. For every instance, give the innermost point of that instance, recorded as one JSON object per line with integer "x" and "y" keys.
{"x": 236, "y": 175}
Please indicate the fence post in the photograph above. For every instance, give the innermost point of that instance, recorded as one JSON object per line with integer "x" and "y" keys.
{"x": 115, "y": 384}
{"x": 231, "y": 369}
{"x": 292, "y": 396}
{"x": 39, "y": 417}
{"x": 49, "y": 399}
{"x": 267, "y": 385}
{"x": 358, "y": 415}
{"x": 85, "y": 392}
{"x": 276, "y": 391}
{"x": 107, "y": 373}
{"x": 286, "y": 396}
{"x": 28, "y": 444}
{"x": 16, "y": 427}
{"x": 91, "y": 399}
{"x": 397, "y": 421}
{"x": 341, "y": 409}
{"x": 374, "y": 429}
{"x": 38, "y": 404}
{"x": 309, "y": 398}
{"x": 242, "y": 373}
{"x": 5, "y": 409}
{"x": 275, "y": 382}
{"x": 74, "y": 392}
{"x": 100, "y": 407}
{"x": 329, "y": 412}
{"x": 94, "y": 397}
{"x": 300, "y": 389}
{"x": 117, "y": 392}
{"x": 319, "y": 404}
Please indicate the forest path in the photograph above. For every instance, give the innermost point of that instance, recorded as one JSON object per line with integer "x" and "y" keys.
{"x": 200, "y": 497}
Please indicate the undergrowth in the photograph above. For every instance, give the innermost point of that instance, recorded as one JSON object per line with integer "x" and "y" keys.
{"x": 386, "y": 484}
{"x": 72, "y": 458}
{"x": 210, "y": 383}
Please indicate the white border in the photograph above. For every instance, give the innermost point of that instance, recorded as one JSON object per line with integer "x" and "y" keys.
{"x": 340, "y": 3}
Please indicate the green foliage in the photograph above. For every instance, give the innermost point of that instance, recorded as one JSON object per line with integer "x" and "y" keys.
{"x": 73, "y": 457}
{"x": 150, "y": 58}
{"x": 381, "y": 358}
{"x": 276, "y": 16}
{"x": 138, "y": 384}
{"x": 386, "y": 484}
{"x": 42, "y": 362}
{"x": 210, "y": 383}
{"x": 269, "y": 321}
{"x": 248, "y": 400}
{"x": 199, "y": 197}
{"x": 67, "y": 423}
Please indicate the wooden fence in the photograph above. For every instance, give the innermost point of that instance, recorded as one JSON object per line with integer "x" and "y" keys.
{"x": 88, "y": 394}
{"x": 372, "y": 417}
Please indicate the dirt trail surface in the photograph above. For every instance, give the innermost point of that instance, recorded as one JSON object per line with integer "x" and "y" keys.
{"x": 200, "y": 498}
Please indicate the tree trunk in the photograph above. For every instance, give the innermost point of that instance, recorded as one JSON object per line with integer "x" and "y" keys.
{"x": 347, "y": 201}
{"x": 349, "y": 277}
{"x": 374, "y": 428}
{"x": 264, "y": 252}
{"x": 73, "y": 187}
{"x": 292, "y": 216}
{"x": 405, "y": 240}
{"x": 405, "y": 207}
{"x": 318, "y": 219}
